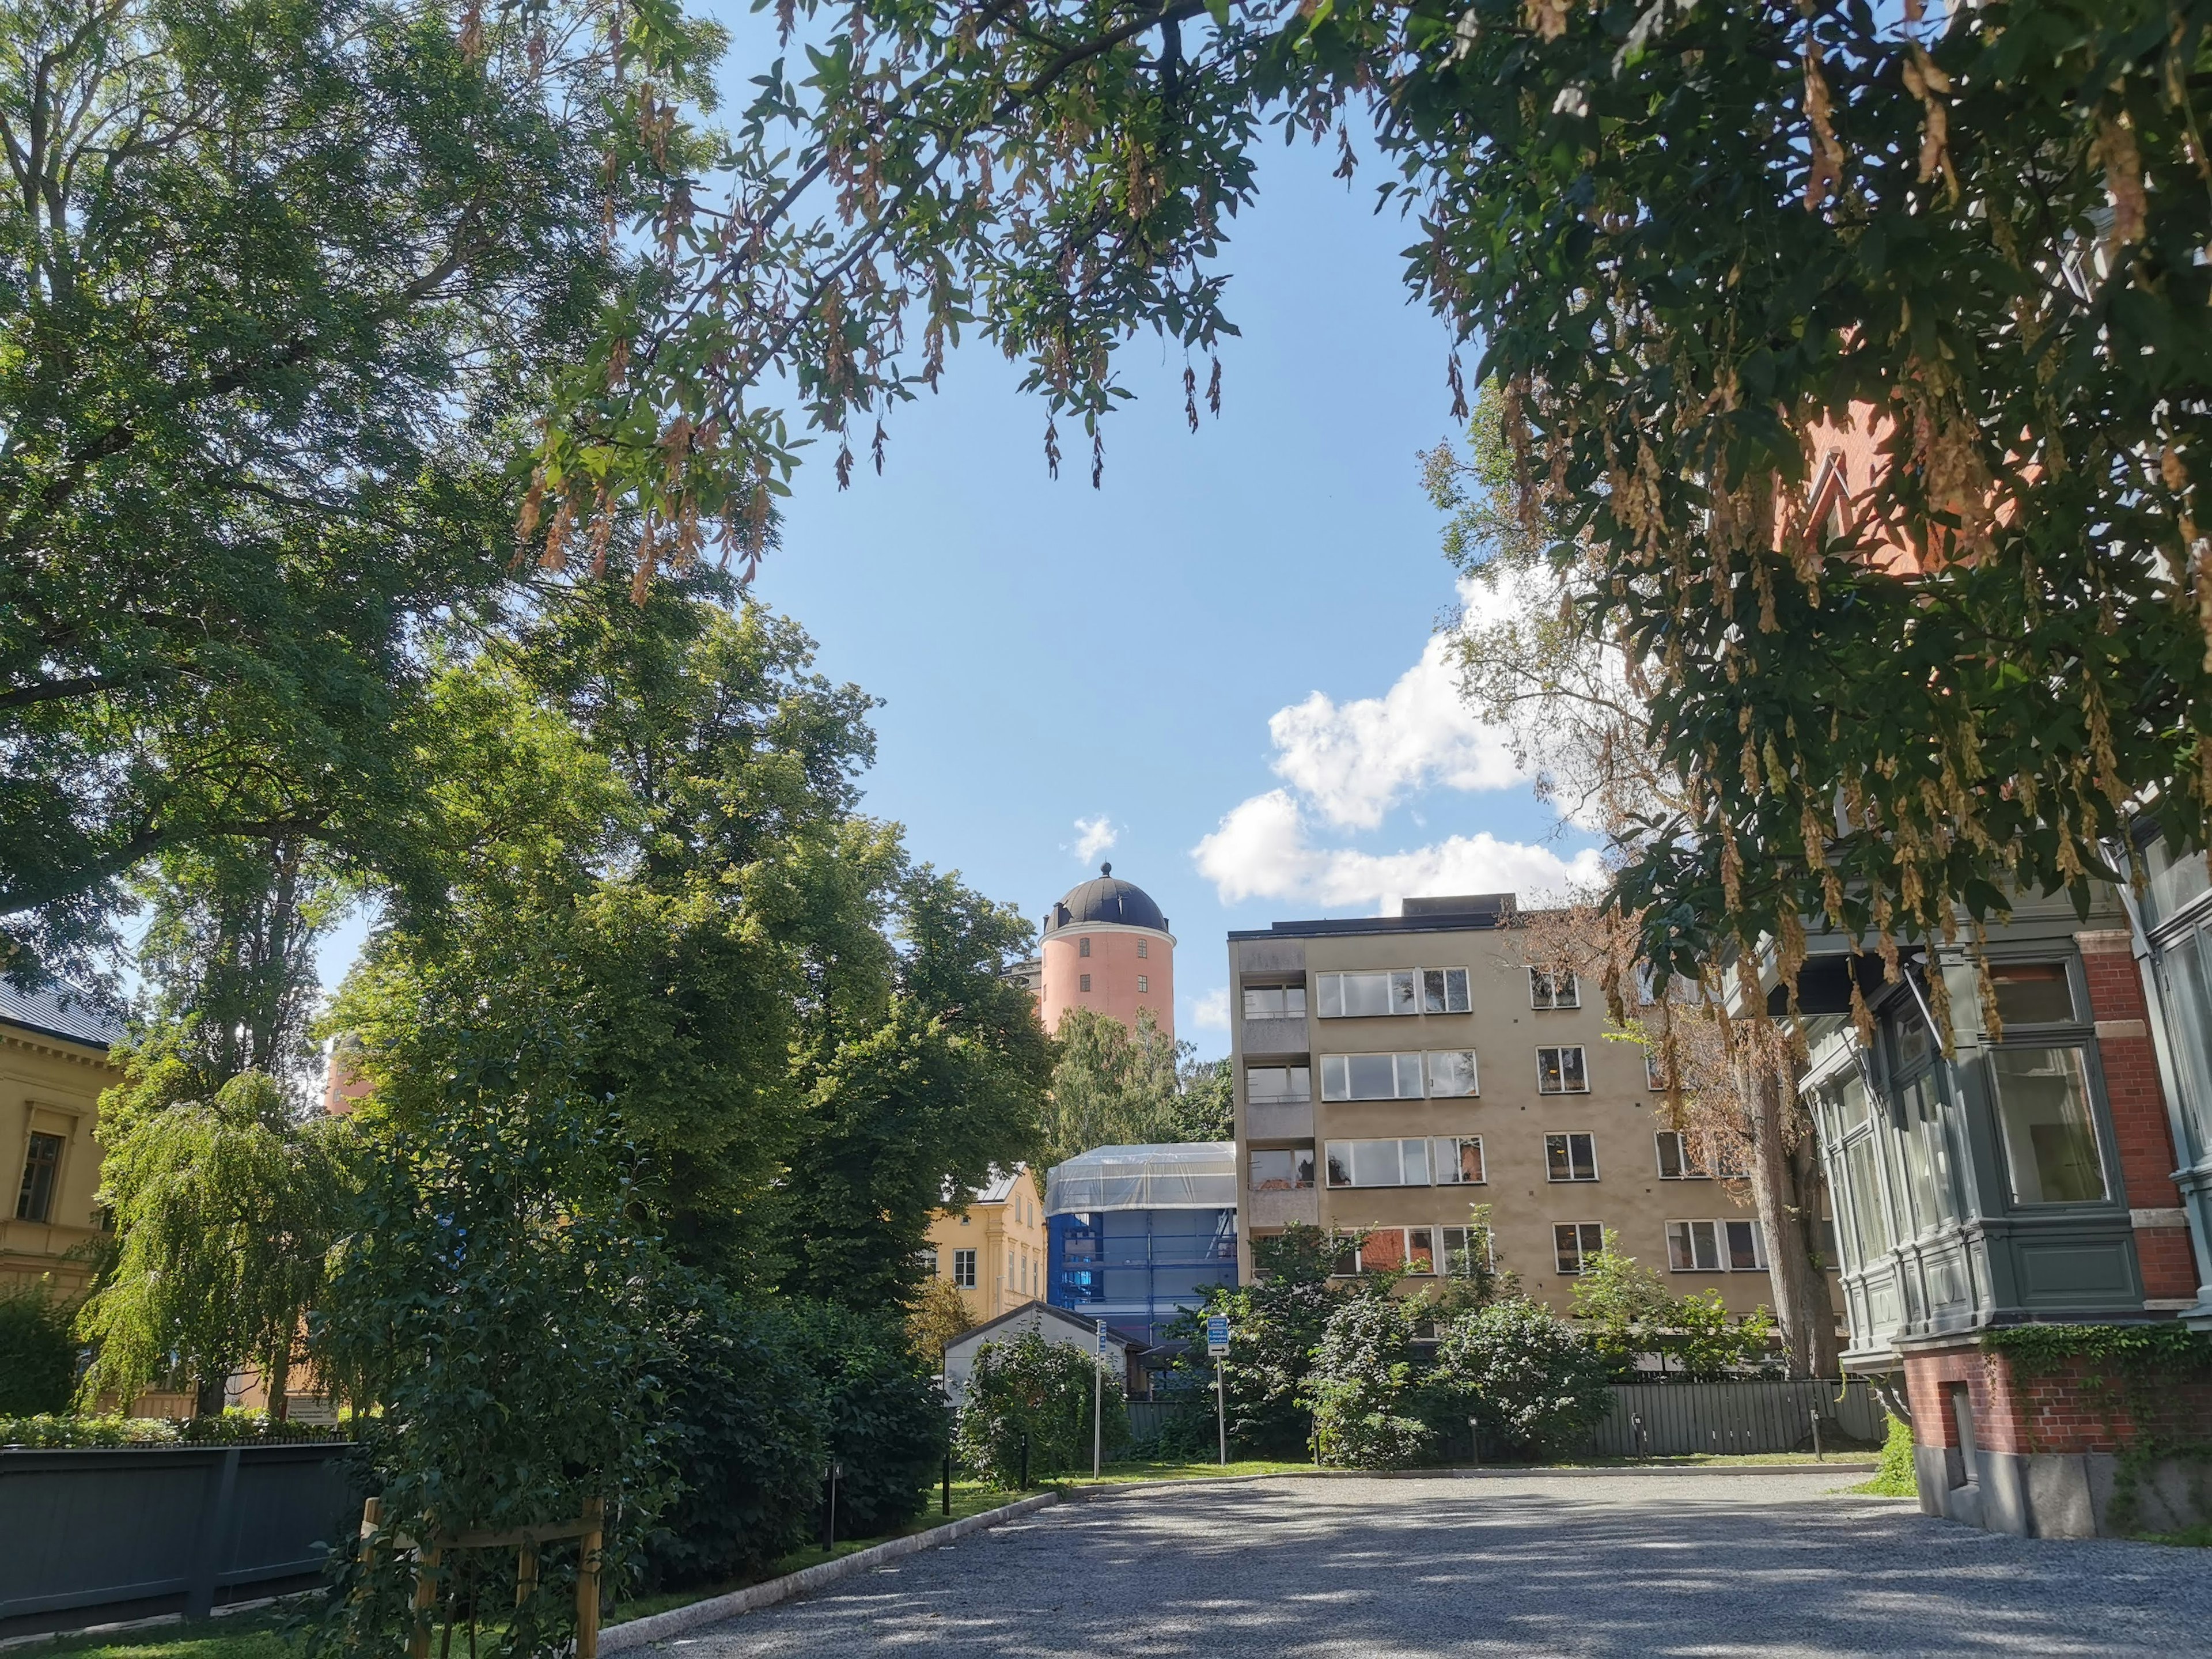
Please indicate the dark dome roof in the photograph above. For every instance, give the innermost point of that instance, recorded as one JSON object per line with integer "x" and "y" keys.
{"x": 1105, "y": 899}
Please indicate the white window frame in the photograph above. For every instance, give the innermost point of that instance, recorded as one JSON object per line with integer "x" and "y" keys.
{"x": 1729, "y": 1228}
{"x": 1336, "y": 1076}
{"x": 1351, "y": 1162}
{"x": 1544, "y": 989}
{"x": 1144, "y": 950}
{"x": 1441, "y": 1159}
{"x": 1560, "y": 1064}
{"x": 1584, "y": 1232}
{"x": 1569, "y": 1136}
{"x": 1451, "y": 1253}
{"x": 1401, "y": 993}
{"x": 1717, "y": 1242}
{"x": 1403, "y": 1235}
{"x": 1295, "y": 1154}
{"x": 964, "y": 1261}
{"x": 1144, "y": 984}
{"x": 1473, "y": 1072}
{"x": 1453, "y": 991}
{"x": 1687, "y": 1168}
{"x": 1083, "y": 945}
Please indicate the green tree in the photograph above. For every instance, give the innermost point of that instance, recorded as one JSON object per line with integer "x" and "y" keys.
{"x": 1623, "y": 1307}
{"x": 1366, "y": 1386}
{"x": 276, "y": 278}
{"x": 1274, "y": 1323}
{"x": 1206, "y": 1107}
{"x": 1111, "y": 1085}
{"x": 37, "y": 1352}
{"x": 1524, "y": 1374}
{"x": 1027, "y": 1391}
{"x": 225, "y": 1211}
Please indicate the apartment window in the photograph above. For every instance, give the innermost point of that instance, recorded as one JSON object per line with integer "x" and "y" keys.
{"x": 1677, "y": 1160}
{"x": 1571, "y": 1157}
{"x": 1278, "y": 1085}
{"x": 964, "y": 1269}
{"x": 1444, "y": 991}
{"x": 1573, "y": 1243}
{"x": 1421, "y": 1249}
{"x": 1465, "y": 1248}
{"x": 1693, "y": 1247}
{"x": 1144, "y": 950}
{"x": 2033, "y": 992}
{"x": 927, "y": 1260}
{"x": 2050, "y": 1137}
{"x": 1561, "y": 1072}
{"x": 1083, "y": 947}
{"x": 1457, "y": 1160}
{"x": 1084, "y": 982}
{"x": 1378, "y": 1163}
{"x": 1347, "y": 996}
{"x": 1451, "y": 1073}
{"x": 42, "y": 1164}
{"x": 1553, "y": 987}
{"x": 1371, "y": 1077}
{"x": 1144, "y": 983}
{"x": 1411, "y": 1247}
{"x": 1745, "y": 1252}
{"x": 1714, "y": 1246}
{"x": 1274, "y": 1002}
{"x": 1284, "y": 1171}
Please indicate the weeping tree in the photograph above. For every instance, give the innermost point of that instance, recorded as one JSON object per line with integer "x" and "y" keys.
{"x": 226, "y": 1211}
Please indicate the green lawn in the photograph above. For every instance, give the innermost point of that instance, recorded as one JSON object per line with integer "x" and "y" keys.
{"x": 241, "y": 1635}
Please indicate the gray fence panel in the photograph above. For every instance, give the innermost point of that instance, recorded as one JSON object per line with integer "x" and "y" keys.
{"x": 98, "y": 1528}
{"x": 1146, "y": 1418}
{"x": 1671, "y": 1419}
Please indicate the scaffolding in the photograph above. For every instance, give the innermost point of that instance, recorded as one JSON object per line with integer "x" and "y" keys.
{"x": 1134, "y": 1235}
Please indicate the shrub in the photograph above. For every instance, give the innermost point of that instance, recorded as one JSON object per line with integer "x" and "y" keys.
{"x": 1895, "y": 1477}
{"x": 1273, "y": 1325}
{"x": 1044, "y": 1390}
{"x": 38, "y": 1352}
{"x": 235, "y": 1427}
{"x": 49, "y": 1431}
{"x": 749, "y": 1443}
{"x": 1519, "y": 1370}
{"x": 885, "y": 1420}
{"x": 1367, "y": 1401}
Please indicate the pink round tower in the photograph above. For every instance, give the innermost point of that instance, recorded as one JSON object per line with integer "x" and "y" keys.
{"x": 1107, "y": 948}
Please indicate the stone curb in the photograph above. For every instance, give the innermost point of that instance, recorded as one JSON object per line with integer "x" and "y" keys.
{"x": 658, "y": 1626}
{"x": 1538, "y": 1472}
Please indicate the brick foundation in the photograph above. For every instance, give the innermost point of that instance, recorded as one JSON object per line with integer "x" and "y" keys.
{"x": 2064, "y": 1411}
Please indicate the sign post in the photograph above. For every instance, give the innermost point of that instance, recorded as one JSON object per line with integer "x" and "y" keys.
{"x": 1217, "y": 1347}
{"x": 1098, "y": 1399}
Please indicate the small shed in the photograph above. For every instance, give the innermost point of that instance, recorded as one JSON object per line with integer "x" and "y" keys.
{"x": 1054, "y": 1325}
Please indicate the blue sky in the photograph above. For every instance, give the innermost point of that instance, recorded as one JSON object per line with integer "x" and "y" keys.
{"x": 1220, "y": 653}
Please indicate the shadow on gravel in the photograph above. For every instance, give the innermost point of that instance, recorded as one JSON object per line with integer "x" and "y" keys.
{"x": 1404, "y": 1568}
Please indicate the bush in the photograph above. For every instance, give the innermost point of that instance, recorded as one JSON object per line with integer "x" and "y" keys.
{"x": 1524, "y": 1374}
{"x": 1273, "y": 1326}
{"x": 1042, "y": 1389}
{"x": 885, "y": 1420}
{"x": 234, "y": 1427}
{"x": 1367, "y": 1401}
{"x": 749, "y": 1441}
{"x": 50, "y": 1431}
{"x": 38, "y": 1353}
{"x": 1896, "y": 1477}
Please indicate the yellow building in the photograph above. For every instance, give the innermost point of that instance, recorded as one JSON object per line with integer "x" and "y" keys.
{"x": 993, "y": 1250}
{"x": 53, "y": 1067}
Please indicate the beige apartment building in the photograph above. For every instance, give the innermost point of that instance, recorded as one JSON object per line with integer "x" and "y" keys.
{"x": 1393, "y": 1072}
{"x": 53, "y": 1068}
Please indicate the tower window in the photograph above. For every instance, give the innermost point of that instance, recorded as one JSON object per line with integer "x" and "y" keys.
{"x": 1084, "y": 983}
{"x": 1083, "y": 947}
{"x": 1144, "y": 983}
{"x": 1143, "y": 949}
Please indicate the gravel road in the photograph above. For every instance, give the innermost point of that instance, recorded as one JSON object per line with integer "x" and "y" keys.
{"x": 1780, "y": 1564}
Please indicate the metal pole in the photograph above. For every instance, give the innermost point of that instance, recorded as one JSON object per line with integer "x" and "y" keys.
{"x": 1221, "y": 1412}
{"x": 1098, "y": 1410}
{"x": 948, "y": 1483}
{"x": 1819, "y": 1456}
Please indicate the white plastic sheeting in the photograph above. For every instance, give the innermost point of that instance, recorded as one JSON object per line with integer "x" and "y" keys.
{"x": 1199, "y": 1174}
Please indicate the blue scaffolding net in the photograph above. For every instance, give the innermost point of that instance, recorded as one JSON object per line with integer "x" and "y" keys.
{"x": 1136, "y": 1234}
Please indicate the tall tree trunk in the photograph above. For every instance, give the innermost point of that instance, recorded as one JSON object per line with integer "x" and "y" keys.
{"x": 280, "y": 1382}
{"x": 1801, "y": 1307}
{"x": 207, "y": 1401}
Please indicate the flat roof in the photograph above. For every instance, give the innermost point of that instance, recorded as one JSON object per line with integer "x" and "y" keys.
{"x": 1455, "y": 914}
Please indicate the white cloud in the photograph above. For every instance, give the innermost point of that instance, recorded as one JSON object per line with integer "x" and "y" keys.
{"x": 1209, "y": 1010}
{"x": 1263, "y": 850}
{"x": 1353, "y": 762}
{"x": 1094, "y": 836}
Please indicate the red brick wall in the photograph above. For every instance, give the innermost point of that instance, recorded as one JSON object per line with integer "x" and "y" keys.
{"x": 2064, "y": 1412}
{"x": 2138, "y": 1105}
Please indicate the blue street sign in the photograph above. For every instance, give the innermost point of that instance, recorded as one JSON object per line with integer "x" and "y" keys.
{"x": 1102, "y": 1339}
{"x": 1217, "y": 1335}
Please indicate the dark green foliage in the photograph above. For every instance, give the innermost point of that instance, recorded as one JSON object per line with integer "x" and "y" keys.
{"x": 1273, "y": 1326}
{"x": 1044, "y": 1392}
{"x": 750, "y": 1432}
{"x": 1365, "y": 1387}
{"x": 886, "y": 1423}
{"x": 495, "y": 1300}
{"x": 2140, "y": 1352}
{"x": 38, "y": 1352}
{"x": 1529, "y": 1379}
